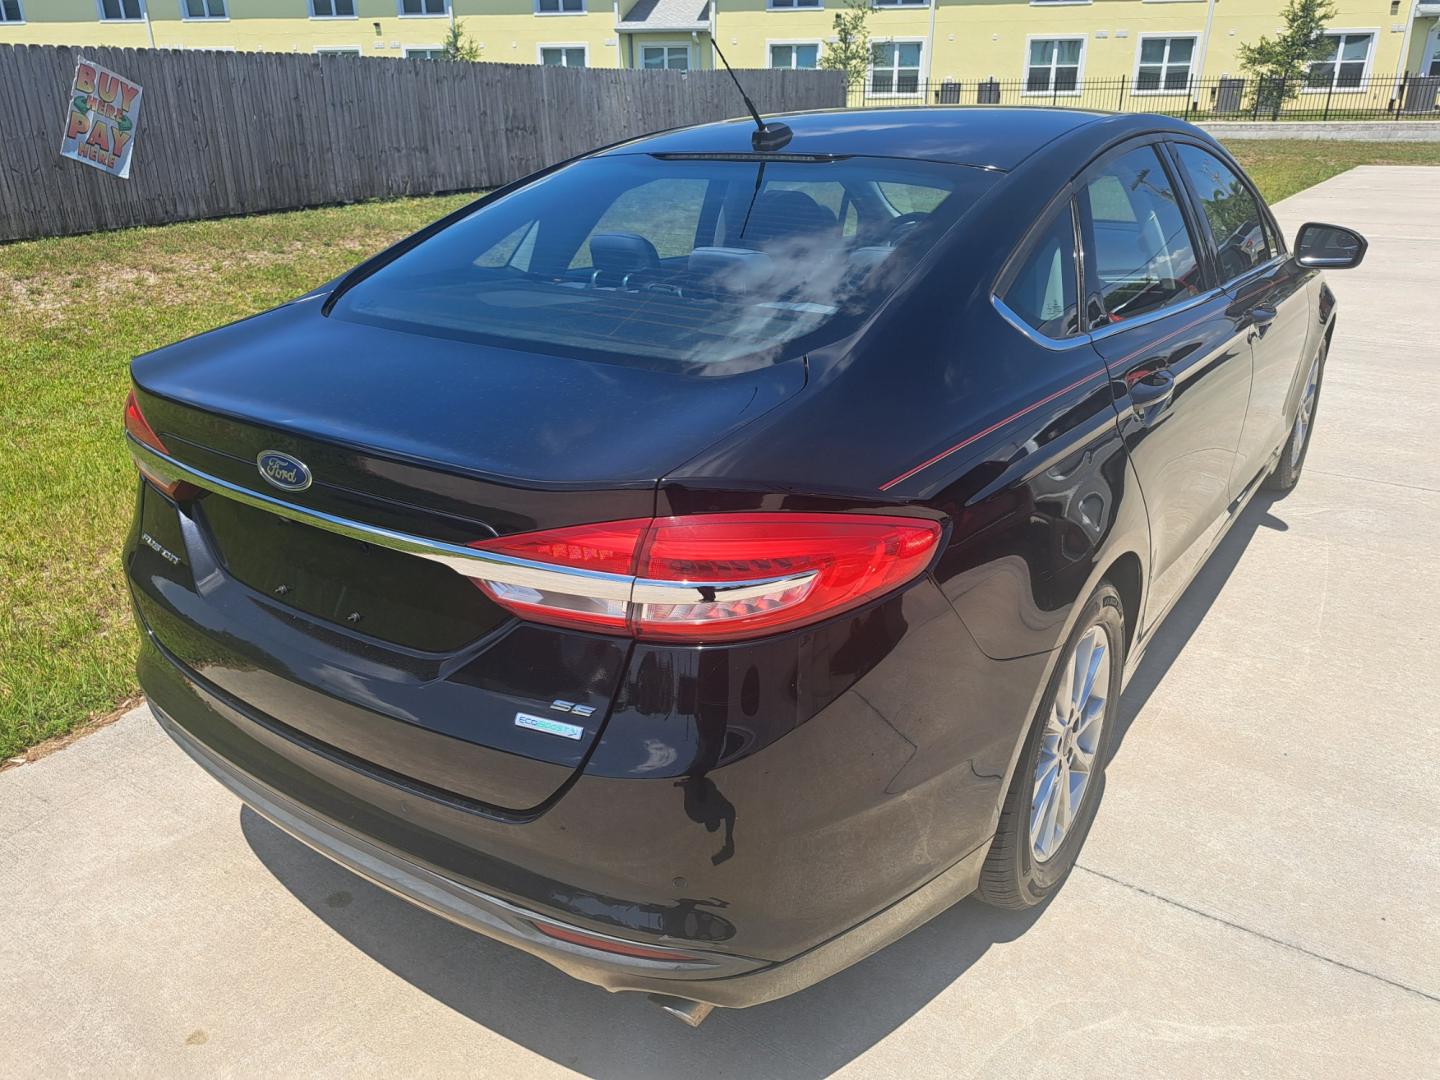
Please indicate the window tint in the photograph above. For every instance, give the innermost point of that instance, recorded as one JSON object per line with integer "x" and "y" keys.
{"x": 1042, "y": 292}
{"x": 1140, "y": 252}
{"x": 672, "y": 263}
{"x": 1235, "y": 219}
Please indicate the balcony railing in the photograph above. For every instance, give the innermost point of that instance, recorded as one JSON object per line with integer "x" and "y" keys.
{"x": 1405, "y": 96}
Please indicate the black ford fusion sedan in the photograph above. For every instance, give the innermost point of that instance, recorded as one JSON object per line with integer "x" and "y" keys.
{"x": 698, "y": 566}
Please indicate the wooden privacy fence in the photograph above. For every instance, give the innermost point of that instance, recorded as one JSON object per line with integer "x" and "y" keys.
{"x": 236, "y": 133}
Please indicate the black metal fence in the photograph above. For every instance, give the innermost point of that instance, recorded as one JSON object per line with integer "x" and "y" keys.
{"x": 1404, "y": 96}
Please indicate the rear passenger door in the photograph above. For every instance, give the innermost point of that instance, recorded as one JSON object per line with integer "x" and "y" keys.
{"x": 1175, "y": 350}
{"x": 1267, "y": 290}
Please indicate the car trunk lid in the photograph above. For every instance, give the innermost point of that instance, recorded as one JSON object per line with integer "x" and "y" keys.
{"x": 396, "y": 661}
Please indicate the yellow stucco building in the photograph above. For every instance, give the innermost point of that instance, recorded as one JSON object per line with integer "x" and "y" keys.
{"x": 1040, "y": 46}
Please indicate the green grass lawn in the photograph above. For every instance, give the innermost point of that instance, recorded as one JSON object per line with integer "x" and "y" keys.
{"x": 73, "y": 312}
{"x": 1282, "y": 167}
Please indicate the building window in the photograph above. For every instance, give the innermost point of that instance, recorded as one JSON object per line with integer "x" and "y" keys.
{"x": 424, "y": 7}
{"x": 674, "y": 57}
{"x": 1344, "y": 67}
{"x": 10, "y": 11}
{"x": 786, "y": 4}
{"x": 204, "y": 9}
{"x": 1054, "y": 65}
{"x": 424, "y": 52}
{"x": 338, "y": 50}
{"x": 122, "y": 10}
{"x": 560, "y": 7}
{"x": 895, "y": 67}
{"x": 1164, "y": 63}
{"x": 805, "y": 56}
{"x": 332, "y": 9}
{"x": 902, "y": 3}
{"x": 563, "y": 55}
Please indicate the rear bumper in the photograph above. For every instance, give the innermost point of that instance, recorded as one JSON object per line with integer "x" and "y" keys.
{"x": 713, "y": 978}
{"x": 763, "y": 815}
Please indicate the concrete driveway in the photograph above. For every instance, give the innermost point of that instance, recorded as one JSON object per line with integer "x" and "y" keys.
{"x": 1258, "y": 897}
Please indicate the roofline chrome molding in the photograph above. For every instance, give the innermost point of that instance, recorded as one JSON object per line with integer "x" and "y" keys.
{"x": 466, "y": 561}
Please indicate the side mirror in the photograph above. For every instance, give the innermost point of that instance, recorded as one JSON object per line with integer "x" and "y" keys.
{"x": 1328, "y": 247}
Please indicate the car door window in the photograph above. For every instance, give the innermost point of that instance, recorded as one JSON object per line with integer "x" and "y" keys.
{"x": 1139, "y": 249}
{"x": 1042, "y": 290}
{"x": 1236, "y": 221}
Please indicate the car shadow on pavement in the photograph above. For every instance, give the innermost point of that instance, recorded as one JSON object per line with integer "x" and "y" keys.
{"x": 581, "y": 1027}
{"x": 1192, "y": 607}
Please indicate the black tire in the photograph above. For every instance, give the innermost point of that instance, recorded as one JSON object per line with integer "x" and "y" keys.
{"x": 1286, "y": 473}
{"x": 1012, "y": 876}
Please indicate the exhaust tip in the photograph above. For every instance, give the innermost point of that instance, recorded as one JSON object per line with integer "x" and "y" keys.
{"x": 692, "y": 1013}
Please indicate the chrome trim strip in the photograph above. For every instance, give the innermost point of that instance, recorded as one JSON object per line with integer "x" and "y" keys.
{"x": 648, "y": 591}
{"x": 1239, "y": 281}
{"x": 1053, "y": 344}
{"x": 1100, "y": 333}
{"x": 466, "y": 561}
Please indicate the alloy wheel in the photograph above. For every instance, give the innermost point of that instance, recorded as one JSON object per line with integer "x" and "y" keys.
{"x": 1304, "y": 414}
{"x": 1070, "y": 743}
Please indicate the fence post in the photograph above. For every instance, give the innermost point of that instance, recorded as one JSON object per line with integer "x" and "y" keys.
{"x": 1400, "y": 104}
{"x": 1120, "y": 104}
{"x": 1329, "y": 94}
{"x": 1280, "y": 98}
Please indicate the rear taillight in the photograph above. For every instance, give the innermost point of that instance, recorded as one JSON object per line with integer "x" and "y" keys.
{"x": 710, "y": 577}
{"x": 140, "y": 430}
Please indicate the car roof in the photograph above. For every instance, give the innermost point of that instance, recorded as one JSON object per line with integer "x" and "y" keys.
{"x": 994, "y": 137}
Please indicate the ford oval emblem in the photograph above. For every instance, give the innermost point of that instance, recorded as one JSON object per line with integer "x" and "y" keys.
{"x": 283, "y": 471}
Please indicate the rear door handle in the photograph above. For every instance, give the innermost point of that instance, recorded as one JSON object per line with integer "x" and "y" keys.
{"x": 1260, "y": 319}
{"x": 1150, "y": 395}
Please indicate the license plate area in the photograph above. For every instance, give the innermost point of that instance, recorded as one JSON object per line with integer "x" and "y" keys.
{"x": 375, "y": 591}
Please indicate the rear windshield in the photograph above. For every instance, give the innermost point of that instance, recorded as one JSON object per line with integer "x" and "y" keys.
{"x": 674, "y": 262}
